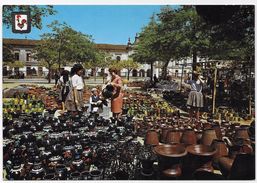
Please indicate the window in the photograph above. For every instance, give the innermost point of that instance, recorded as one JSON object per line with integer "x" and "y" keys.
{"x": 17, "y": 56}
{"x": 28, "y": 57}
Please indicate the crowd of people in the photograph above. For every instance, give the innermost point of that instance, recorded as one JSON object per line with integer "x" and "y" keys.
{"x": 72, "y": 85}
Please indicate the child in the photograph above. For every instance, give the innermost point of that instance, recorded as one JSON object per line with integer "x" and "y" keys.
{"x": 95, "y": 100}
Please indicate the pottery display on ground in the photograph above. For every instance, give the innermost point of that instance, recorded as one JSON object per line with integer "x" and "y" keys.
{"x": 169, "y": 160}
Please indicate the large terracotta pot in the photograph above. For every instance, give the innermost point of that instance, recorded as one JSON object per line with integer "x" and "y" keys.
{"x": 173, "y": 136}
{"x": 188, "y": 137}
{"x": 206, "y": 125}
{"x": 164, "y": 131}
{"x": 243, "y": 167}
{"x": 199, "y": 159}
{"x": 208, "y": 136}
{"x": 151, "y": 137}
{"x": 240, "y": 168}
{"x": 242, "y": 132}
{"x": 218, "y": 132}
{"x": 222, "y": 150}
{"x": 169, "y": 159}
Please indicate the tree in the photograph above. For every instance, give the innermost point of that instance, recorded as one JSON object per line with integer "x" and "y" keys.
{"x": 36, "y": 13}
{"x": 16, "y": 64}
{"x": 71, "y": 46}
{"x": 129, "y": 64}
{"x": 182, "y": 34}
{"x": 8, "y": 55}
{"x": 144, "y": 50}
{"x": 232, "y": 30}
{"x": 47, "y": 55}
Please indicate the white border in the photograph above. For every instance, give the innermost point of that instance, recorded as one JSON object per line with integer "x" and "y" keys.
{"x": 113, "y": 2}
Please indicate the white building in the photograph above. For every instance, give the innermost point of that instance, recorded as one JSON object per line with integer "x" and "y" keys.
{"x": 23, "y": 48}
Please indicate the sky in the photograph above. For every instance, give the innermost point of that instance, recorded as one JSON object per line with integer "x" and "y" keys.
{"x": 111, "y": 24}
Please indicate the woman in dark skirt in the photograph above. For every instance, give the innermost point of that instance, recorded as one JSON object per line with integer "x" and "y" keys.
{"x": 195, "y": 97}
{"x": 65, "y": 86}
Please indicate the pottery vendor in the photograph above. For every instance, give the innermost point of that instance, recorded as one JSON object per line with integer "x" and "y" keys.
{"x": 116, "y": 100}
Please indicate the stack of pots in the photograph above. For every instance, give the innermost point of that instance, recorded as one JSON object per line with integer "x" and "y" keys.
{"x": 40, "y": 147}
{"x": 214, "y": 145}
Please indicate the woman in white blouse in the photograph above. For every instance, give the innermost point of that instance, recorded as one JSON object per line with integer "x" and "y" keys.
{"x": 76, "y": 101}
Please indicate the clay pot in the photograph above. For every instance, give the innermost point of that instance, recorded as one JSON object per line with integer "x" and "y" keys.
{"x": 199, "y": 134}
{"x": 77, "y": 165}
{"x": 225, "y": 164}
{"x": 218, "y": 132}
{"x": 164, "y": 131}
{"x": 85, "y": 175}
{"x": 50, "y": 176}
{"x": 169, "y": 159}
{"x": 96, "y": 174}
{"x": 75, "y": 176}
{"x": 208, "y": 136}
{"x": 206, "y": 126}
{"x": 221, "y": 148}
{"x": 242, "y": 133}
{"x": 173, "y": 136}
{"x": 199, "y": 159}
{"x": 16, "y": 173}
{"x": 240, "y": 168}
{"x": 151, "y": 138}
{"x": 188, "y": 137}
{"x": 37, "y": 172}
{"x": 243, "y": 167}
{"x": 61, "y": 172}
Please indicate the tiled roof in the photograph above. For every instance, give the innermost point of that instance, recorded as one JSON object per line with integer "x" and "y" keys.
{"x": 111, "y": 47}
{"x": 30, "y": 42}
{"x": 23, "y": 42}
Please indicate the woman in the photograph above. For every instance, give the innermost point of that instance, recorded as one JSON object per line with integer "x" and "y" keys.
{"x": 195, "y": 97}
{"x": 76, "y": 101}
{"x": 116, "y": 100}
{"x": 65, "y": 85}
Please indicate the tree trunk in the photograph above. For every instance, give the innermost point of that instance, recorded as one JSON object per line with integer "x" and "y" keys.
{"x": 95, "y": 73}
{"x": 59, "y": 61}
{"x": 164, "y": 70}
{"x": 151, "y": 71}
{"x": 49, "y": 74}
{"x": 103, "y": 75}
{"x": 194, "y": 60}
{"x": 128, "y": 74}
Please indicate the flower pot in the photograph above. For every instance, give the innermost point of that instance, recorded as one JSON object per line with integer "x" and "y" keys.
{"x": 199, "y": 158}
{"x": 188, "y": 137}
{"x": 96, "y": 174}
{"x": 61, "y": 172}
{"x": 85, "y": 175}
{"x": 173, "y": 136}
{"x": 75, "y": 176}
{"x": 222, "y": 150}
{"x": 169, "y": 159}
{"x": 208, "y": 136}
{"x": 49, "y": 177}
{"x": 151, "y": 138}
{"x": 164, "y": 131}
{"x": 16, "y": 173}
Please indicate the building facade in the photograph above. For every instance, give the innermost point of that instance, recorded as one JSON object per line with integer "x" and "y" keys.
{"x": 23, "y": 49}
